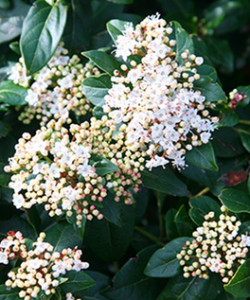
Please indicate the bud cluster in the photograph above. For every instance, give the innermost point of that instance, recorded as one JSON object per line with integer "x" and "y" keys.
{"x": 41, "y": 266}
{"x": 236, "y": 98}
{"x": 216, "y": 247}
{"x": 153, "y": 97}
{"x": 57, "y": 167}
{"x": 56, "y": 89}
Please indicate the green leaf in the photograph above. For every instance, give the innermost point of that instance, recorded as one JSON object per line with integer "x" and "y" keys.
{"x": 95, "y": 88}
{"x": 76, "y": 282}
{"x": 39, "y": 44}
{"x": 239, "y": 285}
{"x": 228, "y": 117}
{"x": 4, "y": 4}
{"x": 220, "y": 53}
{"x": 12, "y": 94}
{"x": 130, "y": 282}
{"x": 183, "y": 223}
{"x": 207, "y": 70}
{"x": 8, "y": 294}
{"x": 102, "y": 165}
{"x": 102, "y": 60}
{"x": 112, "y": 210}
{"x": 4, "y": 128}
{"x": 165, "y": 181}
{"x": 180, "y": 288}
{"x": 164, "y": 263}
{"x": 211, "y": 91}
{"x": 73, "y": 219}
{"x": 203, "y": 157}
{"x": 62, "y": 236}
{"x": 235, "y": 200}
{"x": 181, "y": 7}
{"x": 115, "y": 28}
{"x": 76, "y": 35}
{"x": 122, "y": 1}
{"x": 202, "y": 205}
{"x": 170, "y": 226}
{"x": 183, "y": 42}
{"x": 245, "y": 137}
{"x": 11, "y": 20}
{"x": 109, "y": 241}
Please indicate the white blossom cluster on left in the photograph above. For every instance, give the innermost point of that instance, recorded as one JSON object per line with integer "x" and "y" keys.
{"x": 41, "y": 265}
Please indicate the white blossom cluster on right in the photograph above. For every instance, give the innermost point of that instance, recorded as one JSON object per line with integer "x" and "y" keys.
{"x": 153, "y": 96}
{"x": 217, "y": 247}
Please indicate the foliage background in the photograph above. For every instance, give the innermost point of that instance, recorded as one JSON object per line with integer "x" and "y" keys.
{"x": 170, "y": 203}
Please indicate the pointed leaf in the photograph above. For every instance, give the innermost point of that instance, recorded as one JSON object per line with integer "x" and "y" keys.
{"x": 245, "y": 137}
{"x": 102, "y": 165}
{"x": 115, "y": 28}
{"x": 203, "y": 157}
{"x": 164, "y": 263}
{"x": 102, "y": 60}
{"x": 12, "y": 94}
{"x": 95, "y": 88}
{"x": 11, "y": 294}
{"x": 235, "y": 200}
{"x": 42, "y": 31}
{"x": 165, "y": 181}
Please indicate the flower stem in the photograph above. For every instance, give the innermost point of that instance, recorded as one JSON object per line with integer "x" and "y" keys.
{"x": 246, "y": 122}
{"x": 202, "y": 192}
{"x": 148, "y": 235}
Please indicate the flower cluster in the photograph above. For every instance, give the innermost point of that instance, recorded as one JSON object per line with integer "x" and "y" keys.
{"x": 41, "y": 266}
{"x": 59, "y": 167}
{"x": 235, "y": 98}
{"x": 153, "y": 97}
{"x": 56, "y": 89}
{"x": 69, "y": 296}
{"x": 216, "y": 247}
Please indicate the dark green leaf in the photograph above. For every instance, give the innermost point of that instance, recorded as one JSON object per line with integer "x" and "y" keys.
{"x": 207, "y": 70}
{"x": 95, "y": 88}
{"x": 181, "y": 7}
{"x": 239, "y": 285}
{"x": 4, "y": 127}
{"x": 8, "y": 294}
{"x": 180, "y": 288}
{"x": 34, "y": 218}
{"x": 4, "y": 4}
{"x": 14, "y": 46}
{"x": 165, "y": 181}
{"x": 214, "y": 17}
{"x": 202, "y": 205}
{"x": 235, "y": 200}
{"x": 183, "y": 41}
{"x": 12, "y": 94}
{"x": 183, "y": 223}
{"x": 115, "y": 28}
{"x": 130, "y": 282}
{"x": 122, "y": 1}
{"x": 11, "y": 20}
{"x": 164, "y": 263}
{"x": 76, "y": 282}
{"x": 228, "y": 118}
{"x": 211, "y": 91}
{"x": 109, "y": 241}
{"x": 102, "y": 165}
{"x": 76, "y": 35}
{"x": 39, "y": 44}
{"x": 245, "y": 137}
{"x": 202, "y": 157}
{"x": 170, "y": 226}
{"x": 102, "y": 60}
{"x": 62, "y": 236}
{"x": 112, "y": 210}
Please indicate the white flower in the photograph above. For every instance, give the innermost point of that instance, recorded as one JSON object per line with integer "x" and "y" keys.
{"x": 32, "y": 98}
{"x": 3, "y": 258}
{"x": 18, "y": 200}
{"x": 59, "y": 267}
{"x": 79, "y": 265}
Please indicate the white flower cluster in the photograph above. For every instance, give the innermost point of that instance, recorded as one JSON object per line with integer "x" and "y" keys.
{"x": 53, "y": 167}
{"x": 69, "y": 296}
{"x": 41, "y": 266}
{"x": 56, "y": 89}
{"x": 155, "y": 100}
{"x": 216, "y": 247}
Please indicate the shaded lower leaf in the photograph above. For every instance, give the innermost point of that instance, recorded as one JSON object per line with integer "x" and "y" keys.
{"x": 202, "y": 205}
{"x": 130, "y": 282}
{"x": 235, "y": 200}
{"x": 203, "y": 157}
{"x": 12, "y": 94}
{"x": 165, "y": 181}
{"x": 164, "y": 263}
{"x": 6, "y": 294}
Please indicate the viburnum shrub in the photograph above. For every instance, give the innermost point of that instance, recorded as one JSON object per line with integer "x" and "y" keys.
{"x": 125, "y": 143}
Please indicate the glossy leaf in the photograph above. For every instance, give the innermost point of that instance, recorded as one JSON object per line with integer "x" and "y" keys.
{"x": 245, "y": 137}
{"x": 12, "y": 94}
{"x": 235, "y": 200}
{"x": 102, "y": 60}
{"x": 102, "y": 165}
{"x": 115, "y": 28}
{"x": 202, "y": 157}
{"x": 95, "y": 88}
{"x": 183, "y": 41}
{"x": 183, "y": 223}
{"x": 76, "y": 282}
{"x": 8, "y": 294}
{"x": 165, "y": 181}
{"x": 164, "y": 263}
{"x": 170, "y": 226}
{"x": 180, "y": 288}
{"x": 131, "y": 283}
{"x": 112, "y": 210}
{"x": 62, "y": 236}
{"x": 39, "y": 44}
{"x": 11, "y": 20}
{"x": 228, "y": 117}
{"x": 211, "y": 91}
{"x": 202, "y": 205}
{"x": 239, "y": 285}
{"x": 109, "y": 241}
{"x": 207, "y": 70}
